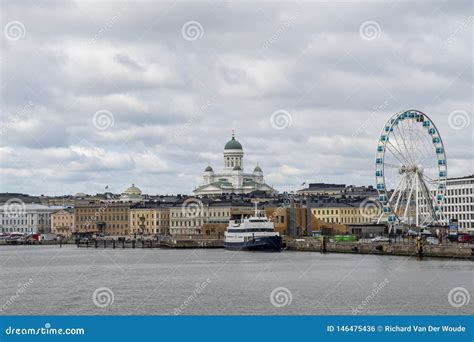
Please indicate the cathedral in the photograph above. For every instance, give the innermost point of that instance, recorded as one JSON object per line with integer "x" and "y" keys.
{"x": 233, "y": 179}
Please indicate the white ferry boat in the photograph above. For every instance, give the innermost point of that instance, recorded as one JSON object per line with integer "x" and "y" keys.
{"x": 255, "y": 233}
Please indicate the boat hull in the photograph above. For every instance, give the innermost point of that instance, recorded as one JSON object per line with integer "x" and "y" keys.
{"x": 267, "y": 243}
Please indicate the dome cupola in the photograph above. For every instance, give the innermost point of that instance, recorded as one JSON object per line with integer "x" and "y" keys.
{"x": 233, "y": 144}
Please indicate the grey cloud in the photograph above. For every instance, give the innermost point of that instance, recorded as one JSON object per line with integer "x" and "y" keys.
{"x": 174, "y": 102}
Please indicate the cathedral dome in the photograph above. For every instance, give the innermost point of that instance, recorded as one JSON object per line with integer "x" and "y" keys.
{"x": 133, "y": 190}
{"x": 257, "y": 169}
{"x": 233, "y": 144}
{"x": 237, "y": 168}
{"x": 209, "y": 169}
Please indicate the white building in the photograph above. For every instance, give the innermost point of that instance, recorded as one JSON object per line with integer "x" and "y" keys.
{"x": 459, "y": 203}
{"x": 233, "y": 179}
{"x": 18, "y": 217}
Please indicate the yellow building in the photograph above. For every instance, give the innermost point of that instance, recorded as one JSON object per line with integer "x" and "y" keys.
{"x": 346, "y": 213}
{"x": 203, "y": 217}
{"x": 62, "y": 222}
{"x": 108, "y": 217}
{"x": 149, "y": 219}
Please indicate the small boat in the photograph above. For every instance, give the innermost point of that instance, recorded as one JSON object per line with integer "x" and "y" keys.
{"x": 255, "y": 233}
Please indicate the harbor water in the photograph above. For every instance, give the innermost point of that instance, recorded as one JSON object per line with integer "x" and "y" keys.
{"x": 48, "y": 280}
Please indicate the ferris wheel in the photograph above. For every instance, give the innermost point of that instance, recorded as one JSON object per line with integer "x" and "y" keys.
{"x": 411, "y": 171}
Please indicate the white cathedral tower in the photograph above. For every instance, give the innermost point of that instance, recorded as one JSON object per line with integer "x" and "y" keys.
{"x": 233, "y": 179}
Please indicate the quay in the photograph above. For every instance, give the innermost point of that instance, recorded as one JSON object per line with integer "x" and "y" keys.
{"x": 165, "y": 243}
{"x": 457, "y": 251}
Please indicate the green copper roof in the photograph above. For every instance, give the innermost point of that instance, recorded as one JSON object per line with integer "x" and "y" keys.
{"x": 209, "y": 168}
{"x": 257, "y": 169}
{"x": 237, "y": 167}
{"x": 233, "y": 144}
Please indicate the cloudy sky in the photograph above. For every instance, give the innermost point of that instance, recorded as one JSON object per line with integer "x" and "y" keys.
{"x": 113, "y": 93}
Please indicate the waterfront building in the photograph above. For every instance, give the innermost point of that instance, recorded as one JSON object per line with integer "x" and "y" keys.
{"x": 459, "y": 201}
{"x": 204, "y": 216}
{"x": 341, "y": 212}
{"x": 233, "y": 179}
{"x": 28, "y": 218}
{"x": 149, "y": 218}
{"x": 289, "y": 218}
{"x": 62, "y": 222}
{"x": 107, "y": 217}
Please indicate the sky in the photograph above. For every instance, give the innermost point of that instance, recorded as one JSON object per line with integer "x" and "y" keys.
{"x": 110, "y": 93}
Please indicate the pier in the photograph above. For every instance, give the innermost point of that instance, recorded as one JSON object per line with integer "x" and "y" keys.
{"x": 165, "y": 243}
{"x": 458, "y": 251}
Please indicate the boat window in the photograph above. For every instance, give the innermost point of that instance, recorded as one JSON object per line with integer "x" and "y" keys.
{"x": 250, "y": 230}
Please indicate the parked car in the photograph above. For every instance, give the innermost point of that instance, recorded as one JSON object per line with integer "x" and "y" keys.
{"x": 464, "y": 238}
{"x": 380, "y": 239}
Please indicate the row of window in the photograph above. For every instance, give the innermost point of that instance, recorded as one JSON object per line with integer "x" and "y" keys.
{"x": 152, "y": 215}
{"x": 103, "y": 218}
{"x": 147, "y": 223}
{"x": 344, "y": 211}
{"x": 459, "y": 192}
{"x": 459, "y": 200}
{"x": 250, "y": 230}
{"x": 346, "y": 220}
{"x": 201, "y": 214}
{"x": 101, "y": 209}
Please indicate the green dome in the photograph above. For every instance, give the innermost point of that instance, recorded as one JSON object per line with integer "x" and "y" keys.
{"x": 237, "y": 168}
{"x": 257, "y": 169}
{"x": 209, "y": 168}
{"x": 233, "y": 144}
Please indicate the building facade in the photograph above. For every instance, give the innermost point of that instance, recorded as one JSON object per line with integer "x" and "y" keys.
{"x": 459, "y": 201}
{"x": 62, "y": 222}
{"x": 18, "y": 217}
{"x": 206, "y": 217}
{"x": 233, "y": 179}
{"x": 149, "y": 219}
{"x": 345, "y": 212}
{"x": 108, "y": 217}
